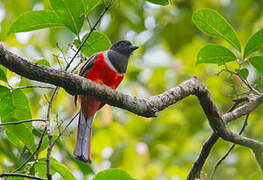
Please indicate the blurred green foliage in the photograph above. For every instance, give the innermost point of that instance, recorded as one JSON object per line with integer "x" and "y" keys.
{"x": 160, "y": 148}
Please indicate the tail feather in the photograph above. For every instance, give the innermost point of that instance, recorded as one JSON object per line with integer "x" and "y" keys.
{"x": 86, "y": 150}
{"x": 82, "y": 148}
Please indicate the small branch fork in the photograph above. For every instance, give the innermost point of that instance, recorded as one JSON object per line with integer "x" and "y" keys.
{"x": 230, "y": 149}
{"x": 208, "y": 145}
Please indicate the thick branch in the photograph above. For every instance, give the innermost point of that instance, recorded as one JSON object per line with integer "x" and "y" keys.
{"x": 199, "y": 163}
{"x": 254, "y": 102}
{"x": 230, "y": 149}
{"x": 147, "y": 107}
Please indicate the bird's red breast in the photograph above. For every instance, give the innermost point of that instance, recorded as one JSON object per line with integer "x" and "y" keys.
{"x": 101, "y": 72}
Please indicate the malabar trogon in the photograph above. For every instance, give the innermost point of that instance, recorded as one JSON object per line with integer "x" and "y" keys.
{"x": 109, "y": 68}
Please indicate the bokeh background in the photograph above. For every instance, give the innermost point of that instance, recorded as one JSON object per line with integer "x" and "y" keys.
{"x": 162, "y": 148}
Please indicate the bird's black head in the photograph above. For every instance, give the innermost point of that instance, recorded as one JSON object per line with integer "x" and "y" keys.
{"x": 124, "y": 47}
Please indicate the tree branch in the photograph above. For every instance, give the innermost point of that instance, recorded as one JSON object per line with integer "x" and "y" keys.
{"x": 230, "y": 149}
{"x": 24, "y": 121}
{"x": 32, "y": 86}
{"x": 35, "y": 152}
{"x": 20, "y": 175}
{"x": 199, "y": 163}
{"x": 208, "y": 145}
{"x": 62, "y": 132}
{"x": 49, "y": 133}
{"x": 147, "y": 107}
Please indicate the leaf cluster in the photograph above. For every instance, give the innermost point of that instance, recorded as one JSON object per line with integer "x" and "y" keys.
{"x": 213, "y": 24}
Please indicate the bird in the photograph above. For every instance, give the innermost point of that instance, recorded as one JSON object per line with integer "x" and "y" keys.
{"x": 108, "y": 68}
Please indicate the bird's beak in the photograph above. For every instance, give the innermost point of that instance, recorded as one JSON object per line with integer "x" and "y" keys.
{"x": 132, "y": 47}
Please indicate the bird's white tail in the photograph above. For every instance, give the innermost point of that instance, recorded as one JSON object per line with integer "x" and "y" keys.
{"x": 82, "y": 148}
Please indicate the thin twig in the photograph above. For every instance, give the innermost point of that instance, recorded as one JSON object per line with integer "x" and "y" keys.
{"x": 237, "y": 102}
{"x": 58, "y": 123}
{"x": 91, "y": 30}
{"x": 49, "y": 133}
{"x": 32, "y": 86}
{"x": 62, "y": 132}
{"x": 76, "y": 67}
{"x": 230, "y": 149}
{"x": 249, "y": 86}
{"x": 61, "y": 50}
{"x": 35, "y": 152}
{"x": 24, "y": 121}
{"x": 87, "y": 18}
{"x": 20, "y": 175}
{"x": 60, "y": 65}
{"x": 89, "y": 22}
{"x": 244, "y": 81}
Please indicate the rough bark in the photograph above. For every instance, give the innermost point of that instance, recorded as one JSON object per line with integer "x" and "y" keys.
{"x": 147, "y": 107}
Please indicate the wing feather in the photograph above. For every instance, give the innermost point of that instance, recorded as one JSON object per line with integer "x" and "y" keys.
{"x": 85, "y": 68}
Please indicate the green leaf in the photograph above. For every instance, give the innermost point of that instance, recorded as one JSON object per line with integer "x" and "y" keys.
{"x": 90, "y": 5}
{"x": 16, "y": 178}
{"x": 254, "y": 43}
{"x": 34, "y": 20}
{"x": 244, "y": 73}
{"x": 14, "y": 107}
{"x": 256, "y": 176}
{"x": 40, "y": 168}
{"x": 42, "y": 62}
{"x": 14, "y": 139}
{"x": 112, "y": 174}
{"x": 212, "y": 23}
{"x": 215, "y": 54}
{"x": 61, "y": 169}
{"x": 160, "y": 2}
{"x": 96, "y": 42}
{"x": 257, "y": 62}
{"x": 21, "y": 104}
{"x": 44, "y": 143}
{"x": 3, "y": 73}
{"x": 84, "y": 167}
{"x": 70, "y": 13}
{"x": 3, "y": 92}
{"x": 6, "y": 104}
{"x": 21, "y": 131}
